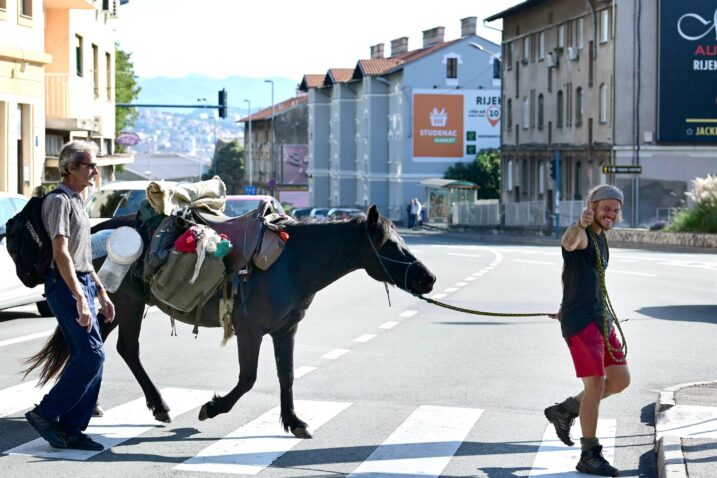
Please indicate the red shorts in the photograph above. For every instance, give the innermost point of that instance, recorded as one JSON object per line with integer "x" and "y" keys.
{"x": 590, "y": 354}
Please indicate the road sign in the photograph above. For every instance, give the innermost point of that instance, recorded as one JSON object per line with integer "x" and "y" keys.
{"x": 628, "y": 169}
{"x": 250, "y": 190}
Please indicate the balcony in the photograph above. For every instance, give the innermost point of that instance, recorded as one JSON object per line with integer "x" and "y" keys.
{"x": 73, "y": 103}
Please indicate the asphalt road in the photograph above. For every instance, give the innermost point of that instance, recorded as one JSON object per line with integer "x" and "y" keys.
{"x": 406, "y": 390}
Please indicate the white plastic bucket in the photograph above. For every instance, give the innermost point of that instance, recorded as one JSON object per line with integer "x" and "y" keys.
{"x": 124, "y": 246}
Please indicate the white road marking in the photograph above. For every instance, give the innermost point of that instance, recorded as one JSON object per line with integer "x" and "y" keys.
{"x": 119, "y": 424}
{"x": 469, "y": 279}
{"x": 478, "y": 274}
{"x": 556, "y": 459}
{"x": 388, "y": 325}
{"x": 438, "y": 296}
{"x": 461, "y": 284}
{"x": 535, "y": 262}
{"x": 256, "y": 445}
{"x": 450, "y": 289}
{"x": 303, "y": 370}
{"x": 642, "y": 274}
{"x": 334, "y": 354}
{"x": 423, "y": 444}
{"x": 687, "y": 421}
{"x": 21, "y": 397}
{"x": 408, "y": 313}
{"x": 365, "y": 338}
{"x": 462, "y": 255}
{"x": 26, "y": 338}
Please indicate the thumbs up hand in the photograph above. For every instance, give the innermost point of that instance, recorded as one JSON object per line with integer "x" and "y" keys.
{"x": 587, "y": 216}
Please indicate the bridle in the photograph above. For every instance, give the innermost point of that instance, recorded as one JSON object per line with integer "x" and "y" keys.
{"x": 381, "y": 260}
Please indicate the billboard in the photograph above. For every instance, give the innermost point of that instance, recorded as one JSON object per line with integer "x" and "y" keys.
{"x": 450, "y": 125}
{"x": 688, "y": 72}
{"x": 294, "y": 164}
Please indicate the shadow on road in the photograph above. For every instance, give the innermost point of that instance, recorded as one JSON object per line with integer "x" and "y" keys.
{"x": 686, "y": 313}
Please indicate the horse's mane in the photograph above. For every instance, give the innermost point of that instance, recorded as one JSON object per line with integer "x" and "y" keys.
{"x": 383, "y": 231}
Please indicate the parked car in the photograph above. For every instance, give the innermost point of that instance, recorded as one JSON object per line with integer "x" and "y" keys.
{"x": 116, "y": 199}
{"x": 341, "y": 213}
{"x": 300, "y": 213}
{"x": 319, "y": 213}
{"x": 13, "y": 293}
{"x": 239, "y": 205}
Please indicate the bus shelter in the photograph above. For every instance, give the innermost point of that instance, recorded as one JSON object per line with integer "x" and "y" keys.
{"x": 442, "y": 193}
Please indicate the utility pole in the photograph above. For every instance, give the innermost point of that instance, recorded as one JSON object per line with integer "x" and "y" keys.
{"x": 273, "y": 140}
{"x": 251, "y": 168}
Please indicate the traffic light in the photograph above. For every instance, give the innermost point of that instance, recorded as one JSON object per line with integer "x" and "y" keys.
{"x": 552, "y": 169}
{"x": 222, "y": 103}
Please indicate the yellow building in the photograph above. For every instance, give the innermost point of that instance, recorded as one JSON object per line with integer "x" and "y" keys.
{"x": 57, "y": 67}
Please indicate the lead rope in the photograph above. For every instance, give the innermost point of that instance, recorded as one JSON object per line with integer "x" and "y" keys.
{"x": 607, "y": 305}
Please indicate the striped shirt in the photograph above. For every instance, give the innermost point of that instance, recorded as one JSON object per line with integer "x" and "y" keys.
{"x": 64, "y": 215}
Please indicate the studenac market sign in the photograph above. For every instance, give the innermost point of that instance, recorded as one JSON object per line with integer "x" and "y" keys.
{"x": 688, "y": 72}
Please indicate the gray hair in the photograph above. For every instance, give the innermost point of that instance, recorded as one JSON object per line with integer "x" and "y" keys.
{"x": 74, "y": 152}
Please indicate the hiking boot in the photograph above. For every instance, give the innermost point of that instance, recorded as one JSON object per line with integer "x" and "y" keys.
{"x": 594, "y": 463}
{"x": 83, "y": 442}
{"x": 562, "y": 420}
{"x": 46, "y": 429}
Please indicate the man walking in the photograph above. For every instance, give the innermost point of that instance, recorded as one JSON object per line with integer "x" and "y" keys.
{"x": 70, "y": 289}
{"x": 588, "y": 325}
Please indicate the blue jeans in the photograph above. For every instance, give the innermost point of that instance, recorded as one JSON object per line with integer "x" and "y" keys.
{"x": 71, "y": 401}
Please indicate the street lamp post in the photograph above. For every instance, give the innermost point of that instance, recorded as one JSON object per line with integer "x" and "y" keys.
{"x": 273, "y": 140}
{"x": 251, "y": 169}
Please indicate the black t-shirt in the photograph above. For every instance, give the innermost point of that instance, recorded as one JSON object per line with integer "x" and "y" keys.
{"x": 582, "y": 299}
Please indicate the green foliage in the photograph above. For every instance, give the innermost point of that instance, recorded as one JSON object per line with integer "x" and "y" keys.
{"x": 483, "y": 171}
{"x": 228, "y": 164}
{"x": 703, "y": 216}
{"x": 126, "y": 90}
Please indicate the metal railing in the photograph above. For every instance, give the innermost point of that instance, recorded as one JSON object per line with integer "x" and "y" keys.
{"x": 529, "y": 213}
{"x": 480, "y": 214}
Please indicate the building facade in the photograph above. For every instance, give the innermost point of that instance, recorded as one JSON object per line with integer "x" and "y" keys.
{"x": 378, "y": 129}
{"x": 588, "y": 86}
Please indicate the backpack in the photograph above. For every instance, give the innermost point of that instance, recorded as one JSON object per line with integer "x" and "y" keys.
{"x": 28, "y": 243}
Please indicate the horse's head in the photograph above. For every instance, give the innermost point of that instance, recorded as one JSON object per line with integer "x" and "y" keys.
{"x": 387, "y": 258}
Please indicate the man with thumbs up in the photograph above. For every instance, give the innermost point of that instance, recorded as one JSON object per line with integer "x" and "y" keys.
{"x": 586, "y": 321}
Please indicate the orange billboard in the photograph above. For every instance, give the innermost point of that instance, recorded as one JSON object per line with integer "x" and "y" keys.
{"x": 438, "y": 126}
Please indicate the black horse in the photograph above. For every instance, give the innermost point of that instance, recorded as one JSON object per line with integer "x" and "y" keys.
{"x": 315, "y": 256}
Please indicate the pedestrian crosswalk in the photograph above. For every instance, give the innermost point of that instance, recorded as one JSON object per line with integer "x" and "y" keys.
{"x": 423, "y": 441}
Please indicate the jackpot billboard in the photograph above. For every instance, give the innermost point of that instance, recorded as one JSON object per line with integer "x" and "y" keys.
{"x": 451, "y": 125}
{"x": 688, "y": 71}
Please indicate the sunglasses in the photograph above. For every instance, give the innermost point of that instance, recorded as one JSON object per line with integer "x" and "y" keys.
{"x": 89, "y": 165}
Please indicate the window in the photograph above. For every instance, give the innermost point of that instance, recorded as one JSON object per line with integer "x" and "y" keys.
{"x": 578, "y": 106}
{"x": 496, "y": 69}
{"x": 510, "y": 175}
{"x": 541, "y": 45}
{"x": 526, "y": 49}
{"x": 526, "y": 112}
{"x": 603, "y": 103}
{"x": 510, "y": 114}
{"x": 541, "y": 178}
{"x": 604, "y": 25}
{"x": 578, "y": 181}
{"x": 25, "y": 8}
{"x": 108, "y": 71}
{"x": 96, "y": 69}
{"x": 509, "y": 55}
{"x": 581, "y": 33}
{"x": 561, "y": 36}
{"x": 78, "y": 55}
{"x": 452, "y": 68}
{"x": 559, "y": 109}
{"x": 532, "y": 109}
{"x": 541, "y": 111}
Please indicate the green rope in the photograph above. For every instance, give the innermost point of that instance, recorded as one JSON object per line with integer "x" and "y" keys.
{"x": 607, "y": 305}
{"x": 480, "y": 312}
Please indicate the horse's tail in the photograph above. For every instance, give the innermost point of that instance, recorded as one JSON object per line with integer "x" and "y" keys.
{"x": 51, "y": 359}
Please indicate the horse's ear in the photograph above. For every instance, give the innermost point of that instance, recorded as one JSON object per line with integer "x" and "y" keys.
{"x": 373, "y": 216}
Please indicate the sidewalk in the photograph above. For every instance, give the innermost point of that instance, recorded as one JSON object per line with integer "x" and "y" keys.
{"x": 686, "y": 431}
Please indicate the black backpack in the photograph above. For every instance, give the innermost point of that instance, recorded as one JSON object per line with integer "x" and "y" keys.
{"x": 28, "y": 243}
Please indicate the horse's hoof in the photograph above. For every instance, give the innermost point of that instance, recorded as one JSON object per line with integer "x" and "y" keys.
{"x": 97, "y": 411}
{"x": 301, "y": 432}
{"x": 203, "y": 415}
{"x": 162, "y": 416}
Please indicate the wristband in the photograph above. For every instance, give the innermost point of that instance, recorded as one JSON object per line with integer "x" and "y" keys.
{"x": 99, "y": 288}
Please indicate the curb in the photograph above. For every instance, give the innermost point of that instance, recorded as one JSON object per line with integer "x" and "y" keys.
{"x": 670, "y": 460}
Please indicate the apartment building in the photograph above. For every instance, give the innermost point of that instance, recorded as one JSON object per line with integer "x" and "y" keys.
{"x": 590, "y": 85}
{"x": 22, "y": 94}
{"x": 378, "y": 129}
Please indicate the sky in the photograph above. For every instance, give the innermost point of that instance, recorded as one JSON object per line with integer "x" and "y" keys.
{"x": 281, "y": 38}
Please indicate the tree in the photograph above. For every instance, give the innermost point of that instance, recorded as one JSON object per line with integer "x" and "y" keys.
{"x": 228, "y": 164}
{"x": 483, "y": 171}
{"x": 126, "y": 90}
